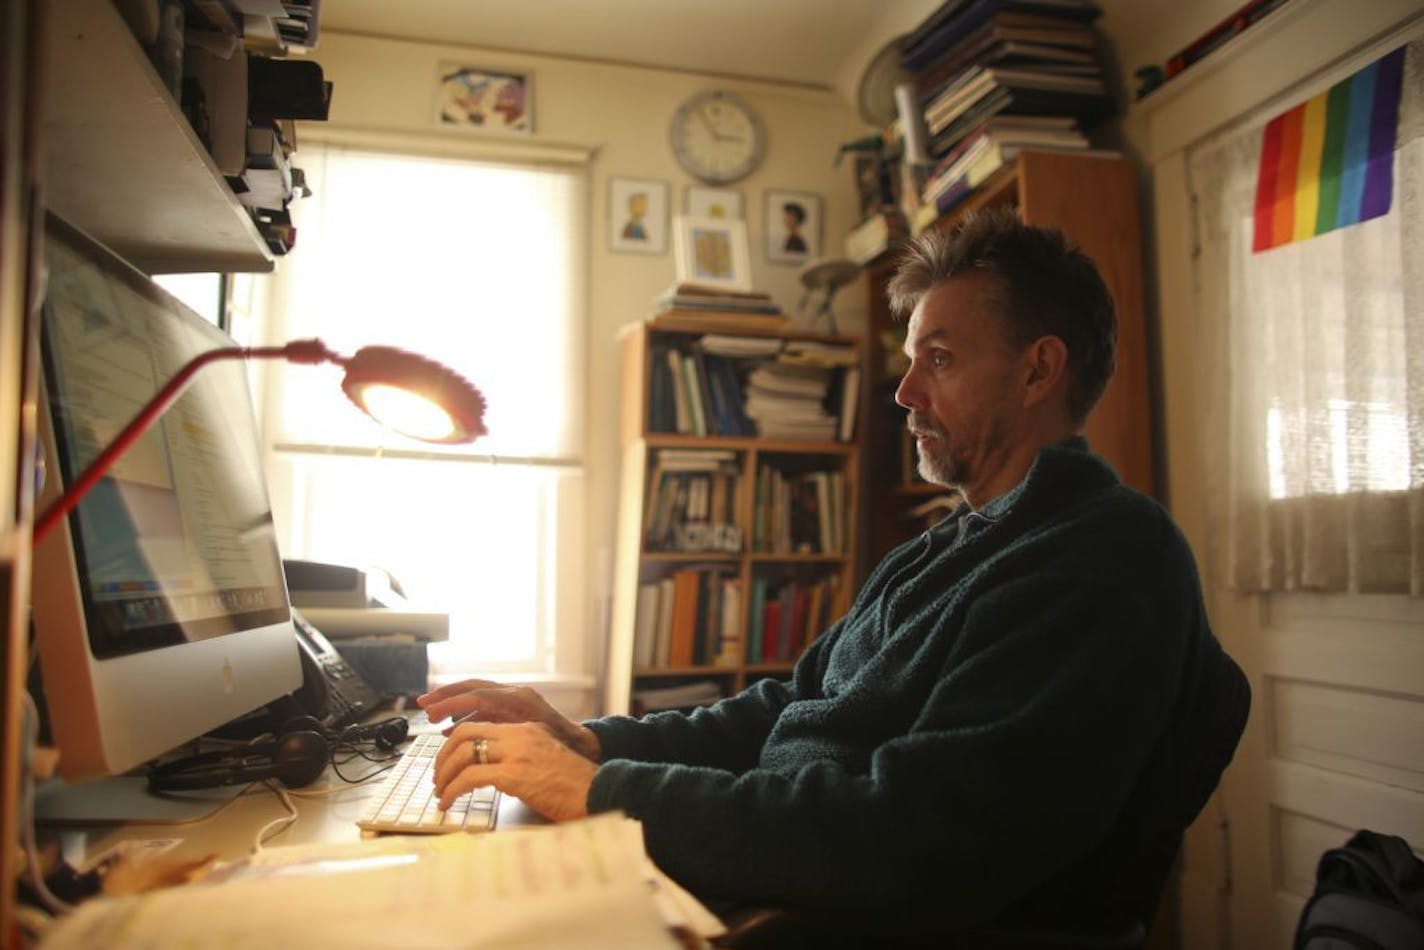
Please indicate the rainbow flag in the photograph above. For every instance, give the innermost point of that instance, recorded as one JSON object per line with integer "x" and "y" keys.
{"x": 1329, "y": 162}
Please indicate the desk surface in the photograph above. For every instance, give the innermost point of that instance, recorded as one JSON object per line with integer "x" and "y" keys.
{"x": 326, "y": 813}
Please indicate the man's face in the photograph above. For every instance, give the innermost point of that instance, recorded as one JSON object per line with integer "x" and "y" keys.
{"x": 964, "y": 388}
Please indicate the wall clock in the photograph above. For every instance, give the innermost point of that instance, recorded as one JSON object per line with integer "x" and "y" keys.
{"x": 717, "y": 137}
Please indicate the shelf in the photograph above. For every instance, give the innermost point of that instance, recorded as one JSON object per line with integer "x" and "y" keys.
{"x": 667, "y": 440}
{"x": 685, "y": 557}
{"x": 687, "y": 671}
{"x": 121, "y": 161}
{"x": 785, "y": 667}
{"x": 692, "y": 327}
{"x": 768, "y": 557}
{"x": 920, "y": 489}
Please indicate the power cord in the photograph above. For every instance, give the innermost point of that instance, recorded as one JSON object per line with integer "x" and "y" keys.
{"x": 277, "y": 825}
{"x": 32, "y": 852}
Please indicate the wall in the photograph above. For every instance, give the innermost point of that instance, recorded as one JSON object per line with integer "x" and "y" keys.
{"x": 617, "y": 116}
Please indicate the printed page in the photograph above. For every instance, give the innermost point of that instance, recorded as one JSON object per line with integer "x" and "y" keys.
{"x": 575, "y": 884}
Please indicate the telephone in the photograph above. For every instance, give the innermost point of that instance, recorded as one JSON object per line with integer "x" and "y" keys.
{"x": 331, "y": 691}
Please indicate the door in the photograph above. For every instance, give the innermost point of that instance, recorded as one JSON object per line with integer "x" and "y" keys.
{"x": 1335, "y": 740}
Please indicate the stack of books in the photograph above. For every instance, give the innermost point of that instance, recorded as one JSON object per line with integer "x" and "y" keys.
{"x": 686, "y": 304}
{"x": 1004, "y": 75}
{"x": 787, "y": 400}
{"x": 875, "y": 235}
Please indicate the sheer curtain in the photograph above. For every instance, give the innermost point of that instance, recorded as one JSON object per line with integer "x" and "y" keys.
{"x": 479, "y": 266}
{"x": 1312, "y": 354}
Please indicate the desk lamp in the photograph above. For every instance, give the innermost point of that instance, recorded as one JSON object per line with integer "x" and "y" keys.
{"x": 406, "y": 392}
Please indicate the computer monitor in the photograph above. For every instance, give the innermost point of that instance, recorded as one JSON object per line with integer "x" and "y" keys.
{"x": 159, "y": 605}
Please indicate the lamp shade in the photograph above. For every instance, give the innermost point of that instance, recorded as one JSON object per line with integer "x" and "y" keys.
{"x": 414, "y": 395}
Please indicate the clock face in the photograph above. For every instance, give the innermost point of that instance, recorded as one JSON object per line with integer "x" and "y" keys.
{"x": 717, "y": 137}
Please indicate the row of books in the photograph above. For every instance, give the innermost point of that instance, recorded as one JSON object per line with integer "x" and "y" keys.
{"x": 692, "y": 501}
{"x": 693, "y": 617}
{"x": 784, "y": 617}
{"x": 799, "y": 513}
{"x": 749, "y": 387}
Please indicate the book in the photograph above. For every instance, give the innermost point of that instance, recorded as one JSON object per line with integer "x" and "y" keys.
{"x": 686, "y": 590}
{"x": 951, "y": 23}
{"x": 343, "y": 894}
{"x": 981, "y": 81}
{"x": 850, "y": 402}
{"x": 645, "y": 636}
{"x": 875, "y": 235}
{"x": 998, "y": 41}
{"x": 756, "y": 620}
{"x": 1246, "y": 15}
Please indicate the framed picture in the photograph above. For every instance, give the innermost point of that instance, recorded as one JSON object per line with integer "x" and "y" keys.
{"x": 793, "y": 226}
{"x": 712, "y": 253}
{"x": 704, "y": 202}
{"x": 485, "y": 99}
{"x": 637, "y": 215}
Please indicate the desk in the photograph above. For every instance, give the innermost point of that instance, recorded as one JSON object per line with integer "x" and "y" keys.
{"x": 229, "y": 833}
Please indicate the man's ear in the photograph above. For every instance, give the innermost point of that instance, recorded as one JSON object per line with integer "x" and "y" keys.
{"x": 1046, "y": 369}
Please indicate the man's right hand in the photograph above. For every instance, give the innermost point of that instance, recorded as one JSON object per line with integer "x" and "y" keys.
{"x": 487, "y": 701}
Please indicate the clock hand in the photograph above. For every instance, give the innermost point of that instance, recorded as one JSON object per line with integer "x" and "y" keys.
{"x": 708, "y": 123}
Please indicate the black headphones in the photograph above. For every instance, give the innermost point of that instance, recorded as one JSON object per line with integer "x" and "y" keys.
{"x": 298, "y": 754}
{"x": 386, "y": 734}
{"x": 295, "y": 758}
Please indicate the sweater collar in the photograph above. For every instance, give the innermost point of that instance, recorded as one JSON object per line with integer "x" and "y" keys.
{"x": 1064, "y": 466}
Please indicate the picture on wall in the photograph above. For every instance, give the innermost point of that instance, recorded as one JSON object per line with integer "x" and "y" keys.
{"x": 488, "y": 100}
{"x": 637, "y": 215}
{"x": 712, "y": 253}
{"x": 704, "y": 202}
{"x": 793, "y": 226}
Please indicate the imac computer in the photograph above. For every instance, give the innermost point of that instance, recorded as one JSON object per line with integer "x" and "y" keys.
{"x": 159, "y": 605}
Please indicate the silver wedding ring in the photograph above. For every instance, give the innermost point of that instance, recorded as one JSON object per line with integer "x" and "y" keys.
{"x": 482, "y": 751}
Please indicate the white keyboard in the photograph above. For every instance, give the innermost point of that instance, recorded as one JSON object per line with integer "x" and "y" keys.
{"x": 406, "y": 802}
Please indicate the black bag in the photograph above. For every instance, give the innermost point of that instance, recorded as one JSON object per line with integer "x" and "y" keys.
{"x": 1369, "y": 893}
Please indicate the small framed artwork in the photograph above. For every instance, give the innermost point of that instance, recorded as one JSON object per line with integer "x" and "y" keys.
{"x": 712, "y": 253}
{"x": 793, "y": 226}
{"x": 485, "y": 99}
{"x": 637, "y": 215}
{"x": 704, "y": 202}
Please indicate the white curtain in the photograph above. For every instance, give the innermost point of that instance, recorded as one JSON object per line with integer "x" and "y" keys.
{"x": 480, "y": 266}
{"x": 1312, "y": 356}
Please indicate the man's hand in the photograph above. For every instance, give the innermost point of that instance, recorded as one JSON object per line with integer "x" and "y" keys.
{"x": 490, "y": 702}
{"x": 525, "y": 760}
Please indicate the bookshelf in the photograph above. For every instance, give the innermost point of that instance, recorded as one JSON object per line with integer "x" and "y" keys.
{"x": 747, "y": 520}
{"x": 1094, "y": 200}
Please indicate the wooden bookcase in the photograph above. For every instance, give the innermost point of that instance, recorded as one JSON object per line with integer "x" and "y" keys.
{"x": 639, "y": 564}
{"x": 1094, "y": 200}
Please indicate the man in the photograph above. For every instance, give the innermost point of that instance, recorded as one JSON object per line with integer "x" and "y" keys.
{"x": 793, "y": 215}
{"x": 986, "y": 735}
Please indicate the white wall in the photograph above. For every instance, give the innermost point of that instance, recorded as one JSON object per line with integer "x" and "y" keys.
{"x": 618, "y": 115}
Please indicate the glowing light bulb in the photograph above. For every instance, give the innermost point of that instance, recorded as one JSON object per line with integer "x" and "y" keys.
{"x": 406, "y": 412}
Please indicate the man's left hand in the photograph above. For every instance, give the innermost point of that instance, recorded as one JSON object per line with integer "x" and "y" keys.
{"x": 524, "y": 759}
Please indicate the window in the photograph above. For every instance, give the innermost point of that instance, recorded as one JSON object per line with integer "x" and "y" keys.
{"x": 476, "y": 265}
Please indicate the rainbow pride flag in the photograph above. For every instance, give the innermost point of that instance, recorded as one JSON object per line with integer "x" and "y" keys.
{"x": 1329, "y": 162}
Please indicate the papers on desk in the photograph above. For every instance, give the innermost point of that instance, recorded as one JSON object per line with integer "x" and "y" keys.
{"x": 585, "y": 883}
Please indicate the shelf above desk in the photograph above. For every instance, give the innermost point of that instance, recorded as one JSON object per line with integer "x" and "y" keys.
{"x": 121, "y": 161}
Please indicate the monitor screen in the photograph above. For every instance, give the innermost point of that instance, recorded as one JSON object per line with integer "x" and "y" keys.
{"x": 165, "y": 586}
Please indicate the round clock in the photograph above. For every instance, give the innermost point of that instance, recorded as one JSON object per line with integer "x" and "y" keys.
{"x": 717, "y": 137}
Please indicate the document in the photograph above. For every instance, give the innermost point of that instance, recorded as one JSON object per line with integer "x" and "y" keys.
{"x": 579, "y": 884}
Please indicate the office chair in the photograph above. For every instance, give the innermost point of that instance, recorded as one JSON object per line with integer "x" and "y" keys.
{"x": 1106, "y": 900}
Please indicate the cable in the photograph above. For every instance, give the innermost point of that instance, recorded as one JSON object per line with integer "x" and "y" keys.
{"x": 32, "y": 852}
{"x": 280, "y": 824}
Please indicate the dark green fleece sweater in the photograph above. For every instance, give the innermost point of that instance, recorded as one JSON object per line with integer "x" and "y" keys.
{"x": 963, "y": 739}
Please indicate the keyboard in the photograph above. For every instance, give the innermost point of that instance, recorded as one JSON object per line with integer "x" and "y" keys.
{"x": 406, "y": 803}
